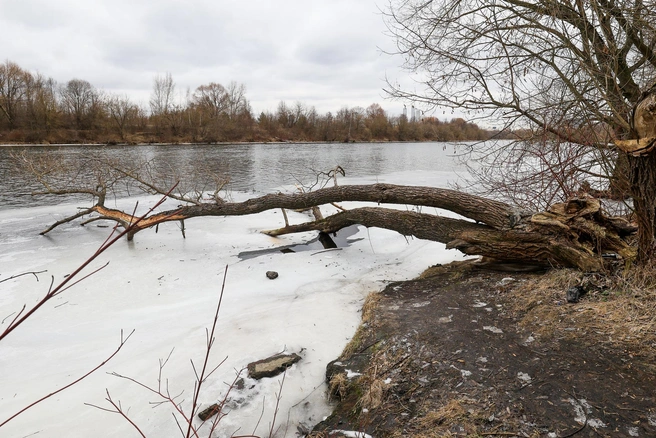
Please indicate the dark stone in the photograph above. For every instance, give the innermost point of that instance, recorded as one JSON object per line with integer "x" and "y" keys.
{"x": 239, "y": 384}
{"x": 272, "y": 366}
{"x": 287, "y": 251}
{"x": 209, "y": 412}
{"x": 272, "y": 275}
{"x": 575, "y": 293}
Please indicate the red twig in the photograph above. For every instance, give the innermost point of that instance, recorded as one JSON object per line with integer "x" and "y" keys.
{"x": 63, "y": 285}
{"x": 278, "y": 397}
{"x": 118, "y": 409}
{"x": 123, "y": 341}
{"x": 223, "y": 402}
{"x": 210, "y": 342}
{"x": 165, "y": 396}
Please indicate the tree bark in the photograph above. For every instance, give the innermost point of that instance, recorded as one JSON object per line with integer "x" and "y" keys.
{"x": 494, "y": 213}
{"x": 643, "y": 192}
{"x": 574, "y": 234}
{"x": 641, "y": 157}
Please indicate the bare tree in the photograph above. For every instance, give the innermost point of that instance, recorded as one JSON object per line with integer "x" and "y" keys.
{"x": 13, "y": 87}
{"x": 163, "y": 107}
{"x": 236, "y": 100}
{"x": 211, "y": 98}
{"x": 42, "y": 106}
{"x": 162, "y": 97}
{"x": 123, "y": 113}
{"x": 571, "y": 71}
{"x": 79, "y": 99}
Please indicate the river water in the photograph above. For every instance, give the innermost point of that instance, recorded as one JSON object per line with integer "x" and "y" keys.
{"x": 249, "y": 167}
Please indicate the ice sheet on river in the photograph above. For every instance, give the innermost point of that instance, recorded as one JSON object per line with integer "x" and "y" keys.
{"x": 166, "y": 288}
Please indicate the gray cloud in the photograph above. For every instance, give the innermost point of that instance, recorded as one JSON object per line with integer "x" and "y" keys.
{"x": 324, "y": 53}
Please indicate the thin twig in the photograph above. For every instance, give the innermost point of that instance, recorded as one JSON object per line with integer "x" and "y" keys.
{"x": 24, "y": 273}
{"x": 123, "y": 341}
{"x": 52, "y": 292}
{"x": 278, "y": 397}
{"x": 210, "y": 342}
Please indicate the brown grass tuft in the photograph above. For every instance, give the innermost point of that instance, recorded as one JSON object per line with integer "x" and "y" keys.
{"x": 618, "y": 309}
{"x": 373, "y": 395}
{"x": 449, "y": 413}
{"x": 338, "y": 386}
{"x": 370, "y": 304}
{"x": 368, "y": 308}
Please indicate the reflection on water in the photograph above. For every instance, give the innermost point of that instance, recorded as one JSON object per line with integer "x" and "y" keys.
{"x": 250, "y": 167}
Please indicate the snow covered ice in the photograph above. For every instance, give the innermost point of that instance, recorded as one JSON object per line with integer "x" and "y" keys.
{"x": 166, "y": 289}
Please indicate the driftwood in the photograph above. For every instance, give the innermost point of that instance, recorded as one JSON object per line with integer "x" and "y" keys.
{"x": 573, "y": 234}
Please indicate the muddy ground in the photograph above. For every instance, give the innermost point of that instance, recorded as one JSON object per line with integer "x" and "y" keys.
{"x": 451, "y": 355}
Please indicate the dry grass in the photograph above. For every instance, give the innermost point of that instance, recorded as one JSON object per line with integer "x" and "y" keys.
{"x": 619, "y": 309}
{"x": 370, "y": 304}
{"x": 456, "y": 270}
{"x": 338, "y": 386}
{"x": 368, "y": 307}
{"x": 449, "y": 413}
{"x": 462, "y": 414}
{"x": 372, "y": 397}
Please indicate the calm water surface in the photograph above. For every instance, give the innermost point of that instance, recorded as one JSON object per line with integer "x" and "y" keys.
{"x": 250, "y": 167}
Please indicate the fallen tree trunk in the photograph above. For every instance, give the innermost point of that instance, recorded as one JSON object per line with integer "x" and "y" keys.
{"x": 494, "y": 213}
{"x": 574, "y": 234}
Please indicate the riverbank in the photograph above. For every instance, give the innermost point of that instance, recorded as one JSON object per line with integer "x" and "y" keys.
{"x": 223, "y": 143}
{"x": 465, "y": 351}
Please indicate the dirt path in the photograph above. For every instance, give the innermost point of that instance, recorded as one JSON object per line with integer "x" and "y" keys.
{"x": 445, "y": 356}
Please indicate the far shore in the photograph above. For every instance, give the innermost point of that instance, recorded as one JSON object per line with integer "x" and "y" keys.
{"x": 226, "y": 143}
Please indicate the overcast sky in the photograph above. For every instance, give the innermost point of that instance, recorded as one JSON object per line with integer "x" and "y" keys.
{"x": 326, "y": 53}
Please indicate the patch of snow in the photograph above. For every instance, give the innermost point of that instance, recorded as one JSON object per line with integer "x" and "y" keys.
{"x": 581, "y": 415}
{"x": 482, "y": 359}
{"x": 387, "y": 381}
{"x": 652, "y": 420}
{"x": 596, "y": 423}
{"x": 393, "y": 308}
{"x": 463, "y": 373}
{"x": 524, "y": 377}
{"x": 422, "y": 304}
{"x": 445, "y": 319}
{"x": 552, "y": 435}
{"x": 492, "y": 329}
{"x": 633, "y": 431}
{"x": 350, "y": 374}
{"x": 479, "y": 304}
{"x": 529, "y": 340}
{"x": 352, "y": 434}
{"x": 586, "y": 405}
{"x": 506, "y": 280}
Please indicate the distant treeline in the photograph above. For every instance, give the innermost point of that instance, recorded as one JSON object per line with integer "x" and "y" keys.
{"x": 37, "y": 109}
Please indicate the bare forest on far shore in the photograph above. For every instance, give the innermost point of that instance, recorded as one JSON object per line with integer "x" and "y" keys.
{"x": 37, "y": 109}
